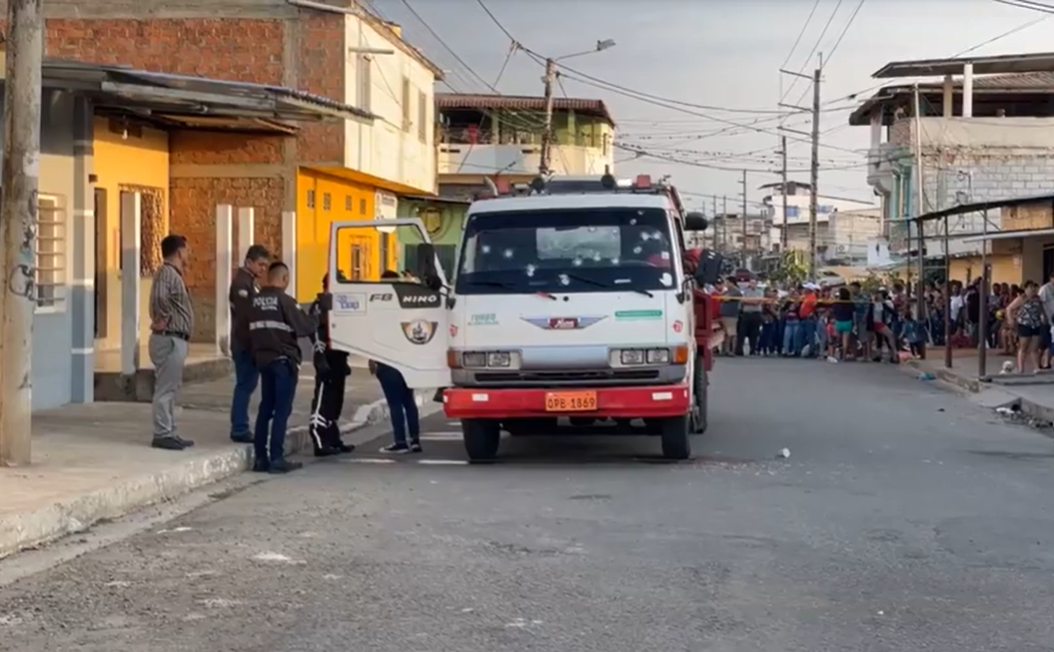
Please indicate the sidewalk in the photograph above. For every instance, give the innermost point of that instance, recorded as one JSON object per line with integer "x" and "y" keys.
{"x": 1032, "y": 393}
{"x": 93, "y": 462}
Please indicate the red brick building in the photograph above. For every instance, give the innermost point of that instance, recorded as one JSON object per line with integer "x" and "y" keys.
{"x": 295, "y": 44}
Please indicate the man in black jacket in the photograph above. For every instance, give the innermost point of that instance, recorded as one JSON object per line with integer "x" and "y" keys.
{"x": 276, "y": 322}
{"x": 331, "y": 372}
{"x": 244, "y": 287}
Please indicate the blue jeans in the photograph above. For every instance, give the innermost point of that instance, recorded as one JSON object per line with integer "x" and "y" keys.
{"x": 767, "y": 343}
{"x": 401, "y": 403}
{"x": 807, "y": 336}
{"x": 791, "y": 339}
{"x": 246, "y": 377}
{"x": 277, "y": 391}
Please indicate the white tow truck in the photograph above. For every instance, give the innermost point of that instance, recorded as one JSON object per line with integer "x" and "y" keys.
{"x": 564, "y": 305}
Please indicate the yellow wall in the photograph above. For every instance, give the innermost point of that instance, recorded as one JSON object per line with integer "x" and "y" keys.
{"x": 1005, "y": 269}
{"x": 313, "y": 224}
{"x": 136, "y": 160}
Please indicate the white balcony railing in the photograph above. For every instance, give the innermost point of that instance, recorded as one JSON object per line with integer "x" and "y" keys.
{"x": 520, "y": 159}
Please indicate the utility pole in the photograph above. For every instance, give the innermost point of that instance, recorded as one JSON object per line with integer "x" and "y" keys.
{"x": 715, "y": 222}
{"x": 547, "y": 136}
{"x": 744, "y": 248}
{"x": 724, "y": 221}
{"x": 814, "y": 179}
{"x": 814, "y": 136}
{"x": 783, "y": 231}
{"x": 18, "y": 219}
{"x": 920, "y": 282}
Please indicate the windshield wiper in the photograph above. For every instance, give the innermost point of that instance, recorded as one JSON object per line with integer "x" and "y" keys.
{"x": 608, "y": 285}
{"x": 510, "y": 286}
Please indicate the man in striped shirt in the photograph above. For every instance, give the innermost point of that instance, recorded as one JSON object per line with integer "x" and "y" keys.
{"x": 171, "y": 323}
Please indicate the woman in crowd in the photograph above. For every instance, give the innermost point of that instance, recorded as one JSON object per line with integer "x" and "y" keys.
{"x": 1026, "y": 312}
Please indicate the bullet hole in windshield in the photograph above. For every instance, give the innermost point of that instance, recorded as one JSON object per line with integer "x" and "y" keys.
{"x": 507, "y": 253}
{"x": 485, "y": 249}
{"x": 577, "y": 262}
{"x": 530, "y": 270}
{"x": 638, "y": 249}
{"x": 565, "y": 279}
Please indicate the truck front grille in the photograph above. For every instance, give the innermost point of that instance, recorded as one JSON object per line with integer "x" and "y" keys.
{"x": 602, "y": 376}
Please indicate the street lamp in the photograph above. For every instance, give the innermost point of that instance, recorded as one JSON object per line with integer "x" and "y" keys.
{"x": 550, "y": 78}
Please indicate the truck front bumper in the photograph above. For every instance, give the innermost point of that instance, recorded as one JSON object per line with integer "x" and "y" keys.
{"x": 615, "y": 402}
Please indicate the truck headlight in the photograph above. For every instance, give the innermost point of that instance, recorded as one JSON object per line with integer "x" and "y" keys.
{"x": 499, "y": 359}
{"x": 658, "y": 356}
{"x": 644, "y": 356}
{"x": 633, "y": 356}
{"x": 487, "y": 360}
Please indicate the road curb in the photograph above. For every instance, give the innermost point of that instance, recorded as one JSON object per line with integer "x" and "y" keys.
{"x": 945, "y": 375}
{"x": 40, "y": 526}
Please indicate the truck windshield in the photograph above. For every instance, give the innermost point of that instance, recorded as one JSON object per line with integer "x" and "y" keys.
{"x": 567, "y": 250}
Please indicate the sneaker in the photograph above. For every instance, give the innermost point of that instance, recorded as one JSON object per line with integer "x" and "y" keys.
{"x": 347, "y": 448}
{"x": 415, "y": 447}
{"x": 396, "y": 449}
{"x": 284, "y": 466}
{"x": 168, "y": 443}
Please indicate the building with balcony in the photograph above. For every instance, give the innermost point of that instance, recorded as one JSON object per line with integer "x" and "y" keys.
{"x": 483, "y": 136}
{"x": 986, "y": 131}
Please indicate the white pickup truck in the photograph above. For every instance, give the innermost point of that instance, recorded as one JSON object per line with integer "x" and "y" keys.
{"x": 564, "y": 305}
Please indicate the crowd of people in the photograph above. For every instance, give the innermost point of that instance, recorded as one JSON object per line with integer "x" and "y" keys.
{"x": 850, "y": 323}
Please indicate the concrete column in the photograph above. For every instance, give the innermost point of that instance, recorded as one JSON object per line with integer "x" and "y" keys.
{"x": 876, "y": 132}
{"x": 289, "y": 251}
{"x": 224, "y": 266}
{"x": 949, "y": 97}
{"x": 246, "y": 233}
{"x": 82, "y": 270}
{"x": 968, "y": 90}
{"x": 131, "y": 221}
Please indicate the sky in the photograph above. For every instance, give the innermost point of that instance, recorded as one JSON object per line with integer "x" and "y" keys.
{"x": 725, "y": 56}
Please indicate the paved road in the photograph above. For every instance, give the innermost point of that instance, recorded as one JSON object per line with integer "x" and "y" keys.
{"x": 905, "y": 519}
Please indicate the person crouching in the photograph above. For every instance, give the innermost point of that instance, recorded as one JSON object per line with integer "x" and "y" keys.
{"x": 331, "y": 372}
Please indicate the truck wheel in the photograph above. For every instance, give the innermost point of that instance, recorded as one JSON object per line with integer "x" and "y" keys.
{"x": 675, "y": 441}
{"x": 482, "y": 438}
{"x": 701, "y": 389}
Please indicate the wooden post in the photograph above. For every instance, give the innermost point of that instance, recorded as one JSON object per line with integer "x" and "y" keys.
{"x": 131, "y": 241}
{"x": 18, "y": 219}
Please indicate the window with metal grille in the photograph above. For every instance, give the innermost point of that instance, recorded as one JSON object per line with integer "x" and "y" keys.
{"x": 347, "y": 203}
{"x": 50, "y": 276}
{"x": 326, "y": 201}
{"x": 310, "y": 198}
{"x": 422, "y": 116}
{"x": 407, "y": 122}
{"x": 364, "y": 82}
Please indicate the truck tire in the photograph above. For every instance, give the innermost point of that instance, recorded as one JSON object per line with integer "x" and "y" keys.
{"x": 701, "y": 387}
{"x": 482, "y": 438}
{"x": 676, "y": 444}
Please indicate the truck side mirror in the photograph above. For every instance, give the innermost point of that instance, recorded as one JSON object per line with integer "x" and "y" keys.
{"x": 708, "y": 271}
{"x": 426, "y": 266}
{"x": 694, "y": 221}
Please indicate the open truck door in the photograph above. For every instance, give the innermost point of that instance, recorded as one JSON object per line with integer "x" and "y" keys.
{"x": 399, "y": 321}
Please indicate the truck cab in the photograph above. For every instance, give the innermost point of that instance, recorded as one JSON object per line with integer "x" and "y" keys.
{"x": 563, "y": 305}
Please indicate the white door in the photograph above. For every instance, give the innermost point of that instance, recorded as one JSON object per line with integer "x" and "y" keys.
{"x": 396, "y": 321}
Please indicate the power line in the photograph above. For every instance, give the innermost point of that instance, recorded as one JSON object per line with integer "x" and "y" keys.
{"x": 1028, "y": 4}
{"x": 844, "y": 30}
{"x": 497, "y": 22}
{"x": 816, "y": 45}
{"x": 801, "y": 33}
{"x": 440, "y": 40}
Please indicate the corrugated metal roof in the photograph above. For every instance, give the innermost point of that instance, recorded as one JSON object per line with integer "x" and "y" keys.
{"x": 521, "y": 103}
{"x": 1004, "y": 63}
{"x": 190, "y": 95}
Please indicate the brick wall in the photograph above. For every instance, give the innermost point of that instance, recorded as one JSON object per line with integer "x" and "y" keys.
{"x": 193, "y": 203}
{"x": 253, "y": 50}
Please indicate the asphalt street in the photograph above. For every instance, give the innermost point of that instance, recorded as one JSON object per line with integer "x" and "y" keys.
{"x": 905, "y": 519}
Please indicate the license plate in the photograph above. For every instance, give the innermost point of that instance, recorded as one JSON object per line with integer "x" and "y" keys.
{"x": 570, "y": 401}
